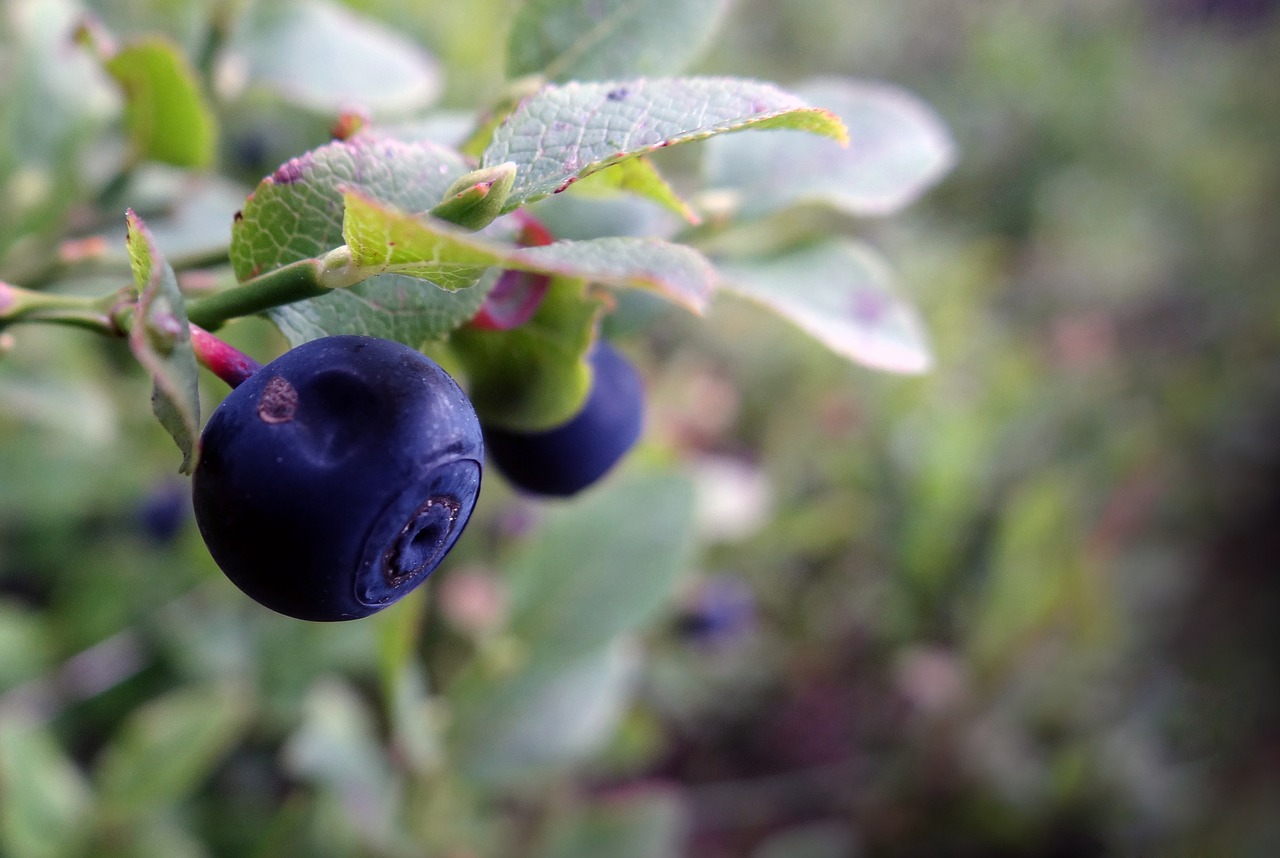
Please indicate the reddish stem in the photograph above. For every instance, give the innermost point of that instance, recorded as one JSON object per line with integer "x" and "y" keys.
{"x": 532, "y": 232}
{"x": 226, "y": 362}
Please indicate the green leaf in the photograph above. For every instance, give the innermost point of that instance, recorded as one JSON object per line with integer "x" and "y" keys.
{"x": 678, "y": 273}
{"x": 337, "y": 747}
{"x": 325, "y": 57}
{"x": 602, "y": 565}
{"x": 162, "y": 832}
{"x": 297, "y": 213}
{"x": 166, "y": 114}
{"x": 534, "y": 376}
{"x": 545, "y": 716}
{"x": 809, "y": 840}
{"x": 649, "y": 824}
{"x": 168, "y": 746}
{"x": 44, "y": 799}
{"x": 640, "y": 177}
{"x": 898, "y": 148}
{"x": 564, "y": 133}
{"x": 382, "y": 238}
{"x": 25, "y": 642}
{"x": 160, "y": 339}
{"x": 53, "y": 114}
{"x": 841, "y": 293}
{"x": 386, "y": 239}
{"x": 603, "y": 39}
{"x": 1039, "y": 578}
{"x": 195, "y": 223}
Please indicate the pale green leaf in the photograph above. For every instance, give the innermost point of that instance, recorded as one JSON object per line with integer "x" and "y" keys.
{"x": 675, "y": 271}
{"x": 325, "y": 57}
{"x": 168, "y": 746}
{"x": 160, "y": 339}
{"x": 1039, "y": 579}
{"x": 602, "y": 565}
{"x": 564, "y": 133}
{"x": 547, "y": 715}
{"x": 648, "y": 824}
{"x": 167, "y": 115}
{"x": 45, "y": 801}
{"x": 25, "y": 642}
{"x": 297, "y": 213}
{"x": 386, "y": 239}
{"x": 898, "y": 148}
{"x": 383, "y": 239}
{"x": 640, "y": 177}
{"x": 337, "y": 747}
{"x": 53, "y": 115}
{"x": 841, "y": 293}
{"x": 195, "y": 223}
{"x": 603, "y": 39}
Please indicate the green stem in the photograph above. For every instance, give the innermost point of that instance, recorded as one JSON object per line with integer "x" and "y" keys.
{"x": 111, "y": 314}
{"x": 26, "y": 305}
{"x": 297, "y": 281}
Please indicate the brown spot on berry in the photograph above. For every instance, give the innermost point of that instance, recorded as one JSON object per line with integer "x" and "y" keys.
{"x": 278, "y": 401}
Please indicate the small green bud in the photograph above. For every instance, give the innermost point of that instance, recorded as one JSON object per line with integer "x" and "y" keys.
{"x": 477, "y": 198}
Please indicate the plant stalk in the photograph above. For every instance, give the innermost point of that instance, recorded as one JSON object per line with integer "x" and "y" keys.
{"x": 26, "y": 305}
{"x": 297, "y": 281}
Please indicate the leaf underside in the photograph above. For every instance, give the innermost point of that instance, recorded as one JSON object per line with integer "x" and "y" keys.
{"x": 602, "y": 39}
{"x": 842, "y": 294}
{"x": 898, "y": 148}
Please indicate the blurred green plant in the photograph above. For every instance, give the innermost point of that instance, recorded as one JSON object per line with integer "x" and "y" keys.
{"x": 182, "y": 708}
{"x": 1021, "y": 605}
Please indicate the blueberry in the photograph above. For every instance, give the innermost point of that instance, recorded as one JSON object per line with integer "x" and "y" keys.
{"x": 567, "y": 458}
{"x": 721, "y": 612}
{"x": 337, "y": 477}
{"x": 163, "y": 511}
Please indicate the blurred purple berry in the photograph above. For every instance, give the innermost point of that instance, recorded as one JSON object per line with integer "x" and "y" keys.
{"x": 164, "y": 511}
{"x": 720, "y": 612}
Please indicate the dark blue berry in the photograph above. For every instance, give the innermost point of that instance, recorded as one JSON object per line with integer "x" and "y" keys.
{"x": 337, "y": 477}
{"x": 567, "y": 458}
{"x": 164, "y": 510}
{"x": 720, "y": 612}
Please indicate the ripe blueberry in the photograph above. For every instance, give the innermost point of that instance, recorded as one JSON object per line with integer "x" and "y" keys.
{"x": 336, "y": 478}
{"x": 568, "y": 458}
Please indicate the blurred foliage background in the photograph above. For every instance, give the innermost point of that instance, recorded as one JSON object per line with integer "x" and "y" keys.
{"x": 1024, "y": 605}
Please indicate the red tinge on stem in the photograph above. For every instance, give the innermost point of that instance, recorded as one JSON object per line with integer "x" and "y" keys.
{"x": 516, "y": 296}
{"x": 512, "y": 302}
{"x": 226, "y": 362}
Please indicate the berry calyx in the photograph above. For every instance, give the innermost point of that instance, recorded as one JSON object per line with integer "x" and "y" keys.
{"x": 336, "y": 478}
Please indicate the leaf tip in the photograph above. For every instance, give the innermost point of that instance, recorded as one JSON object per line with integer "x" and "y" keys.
{"x": 833, "y": 126}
